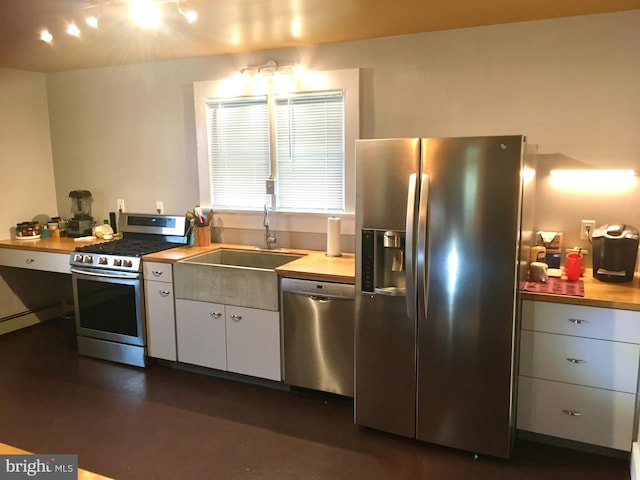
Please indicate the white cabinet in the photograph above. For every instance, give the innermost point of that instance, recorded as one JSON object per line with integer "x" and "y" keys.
{"x": 579, "y": 373}
{"x": 35, "y": 260}
{"x": 236, "y": 339}
{"x": 159, "y": 304}
{"x": 253, "y": 342}
{"x": 201, "y": 333}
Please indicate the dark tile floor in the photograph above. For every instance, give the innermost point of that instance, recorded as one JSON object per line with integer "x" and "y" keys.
{"x": 164, "y": 423}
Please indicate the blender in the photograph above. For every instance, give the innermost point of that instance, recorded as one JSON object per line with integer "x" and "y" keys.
{"x": 82, "y": 222}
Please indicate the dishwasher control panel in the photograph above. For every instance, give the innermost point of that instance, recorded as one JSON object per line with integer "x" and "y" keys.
{"x": 311, "y": 287}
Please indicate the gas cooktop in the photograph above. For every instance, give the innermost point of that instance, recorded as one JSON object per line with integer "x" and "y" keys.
{"x": 143, "y": 234}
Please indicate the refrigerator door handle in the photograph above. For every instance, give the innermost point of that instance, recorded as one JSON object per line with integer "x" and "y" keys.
{"x": 422, "y": 259}
{"x": 409, "y": 248}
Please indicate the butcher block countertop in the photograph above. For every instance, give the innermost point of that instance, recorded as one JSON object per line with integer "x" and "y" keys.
{"x": 316, "y": 265}
{"x": 625, "y": 296}
{"x": 313, "y": 265}
{"x": 52, "y": 245}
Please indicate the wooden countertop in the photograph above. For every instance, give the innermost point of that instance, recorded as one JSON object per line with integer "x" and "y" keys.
{"x": 316, "y": 265}
{"x": 51, "y": 244}
{"x": 312, "y": 265}
{"x": 82, "y": 474}
{"x": 625, "y": 296}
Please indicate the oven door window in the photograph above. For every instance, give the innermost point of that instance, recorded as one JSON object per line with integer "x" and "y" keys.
{"x": 108, "y": 306}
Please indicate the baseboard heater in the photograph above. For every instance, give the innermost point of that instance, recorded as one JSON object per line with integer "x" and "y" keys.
{"x": 31, "y": 311}
{"x": 29, "y": 317}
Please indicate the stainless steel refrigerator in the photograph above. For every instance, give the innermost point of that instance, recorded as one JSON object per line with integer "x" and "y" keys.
{"x": 443, "y": 228}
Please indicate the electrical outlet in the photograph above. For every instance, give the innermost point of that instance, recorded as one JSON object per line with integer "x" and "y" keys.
{"x": 160, "y": 207}
{"x": 120, "y": 203}
{"x": 586, "y": 229}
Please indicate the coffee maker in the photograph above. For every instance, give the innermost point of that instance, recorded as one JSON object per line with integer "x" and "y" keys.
{"x": 81, "y": 223}
{"x": 615, "y": 248}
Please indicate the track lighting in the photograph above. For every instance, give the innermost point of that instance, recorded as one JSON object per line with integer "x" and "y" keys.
{"x": 145, "y": 13}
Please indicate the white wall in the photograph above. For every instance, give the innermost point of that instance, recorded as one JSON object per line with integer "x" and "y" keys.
{"x": 27, "y": 186}
{"x": 27, "y": 190}
{"x": 569, "y": 84}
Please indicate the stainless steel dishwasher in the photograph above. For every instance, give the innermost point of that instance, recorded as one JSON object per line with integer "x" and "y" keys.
{"x": 318, "y": 335}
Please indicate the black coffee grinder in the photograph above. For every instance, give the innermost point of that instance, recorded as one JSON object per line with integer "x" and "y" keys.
{"x": 82, "y": 222}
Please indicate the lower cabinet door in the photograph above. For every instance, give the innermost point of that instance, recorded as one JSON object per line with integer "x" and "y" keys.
{"x": 200, "y": 332}
{"x": 161, "y": 327}
{"x": 253, "y": 342}
{"x": 584, "y": 414}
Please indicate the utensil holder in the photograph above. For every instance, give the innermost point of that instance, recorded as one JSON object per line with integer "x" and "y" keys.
{"x": 202, "y": 236}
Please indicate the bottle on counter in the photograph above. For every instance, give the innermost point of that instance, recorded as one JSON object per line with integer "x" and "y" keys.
{"x": 44, "y": 233}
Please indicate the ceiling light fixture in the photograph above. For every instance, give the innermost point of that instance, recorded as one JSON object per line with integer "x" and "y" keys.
{"x": 145, "y": 13}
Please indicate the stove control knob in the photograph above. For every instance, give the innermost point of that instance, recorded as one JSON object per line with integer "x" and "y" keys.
{"x": 117, "y": 262}
{"x": 88, "y": 259}
{"x": 78, "y": 258}
{"x": 102, "y": 260}
{"x": 127, "y": 263}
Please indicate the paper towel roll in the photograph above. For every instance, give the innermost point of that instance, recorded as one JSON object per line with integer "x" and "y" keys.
{"x": 333, "y": 237}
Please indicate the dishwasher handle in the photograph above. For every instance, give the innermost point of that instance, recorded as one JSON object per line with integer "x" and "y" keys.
{"x": 319, "y": 299}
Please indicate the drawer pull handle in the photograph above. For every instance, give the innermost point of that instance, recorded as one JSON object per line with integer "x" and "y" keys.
{"x": 576, "y": 360}
{"x": 572, "y": 413}
{"x": 156, "y": 273}
{"x": 235, "y": 317}
{"x": 164, "y": 293}
{"x": 578, "y": 321}
{"x": 30, "y": 260}
{"x": 215, "y": 314}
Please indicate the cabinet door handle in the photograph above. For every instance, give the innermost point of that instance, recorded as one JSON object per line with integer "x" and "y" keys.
{"x": 30, "y": 260}
{"x": 576, "y": 360}
{"x": 215, "y": 314}
{"x": 578, "y": 321}
{"x": 235, "y": 317}
{"x": 572, "y": 413}
{"x": 156, "y": 273}
{"x": 164, "y": 293}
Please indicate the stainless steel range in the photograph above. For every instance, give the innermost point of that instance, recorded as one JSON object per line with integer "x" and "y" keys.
{"x": 108, "y": 286}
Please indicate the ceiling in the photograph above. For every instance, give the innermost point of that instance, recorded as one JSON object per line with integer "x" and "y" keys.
{"x": 236, "y": 26}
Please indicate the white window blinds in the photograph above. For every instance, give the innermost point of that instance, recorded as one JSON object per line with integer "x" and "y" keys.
{"x": 238, "y": 135}
{"x": 310, "y": 151}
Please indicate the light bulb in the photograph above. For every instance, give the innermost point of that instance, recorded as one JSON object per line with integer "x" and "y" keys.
{"x": 190, "y": 15}
{"x": 145, "y": 13}
{"x": 45, "y": 36}
{"x": 73, "y": 30}
{"x": 92, "y": 22}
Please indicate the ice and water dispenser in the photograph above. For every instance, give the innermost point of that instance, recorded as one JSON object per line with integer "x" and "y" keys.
{"x": 383, "y": 262}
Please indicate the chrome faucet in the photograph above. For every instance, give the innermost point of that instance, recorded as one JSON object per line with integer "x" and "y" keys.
{"x": 268, "y": 239}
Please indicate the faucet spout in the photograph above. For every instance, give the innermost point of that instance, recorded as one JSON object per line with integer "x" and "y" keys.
{"x": 269, "y": 238}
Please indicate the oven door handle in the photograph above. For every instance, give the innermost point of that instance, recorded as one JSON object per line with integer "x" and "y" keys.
{"x": 120, "y": 275}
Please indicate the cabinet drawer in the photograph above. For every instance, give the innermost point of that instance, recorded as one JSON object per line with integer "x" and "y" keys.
{"x": 594, "y": 322}
{"x": 584, "y": 414}
{"x": 161, "y": 272}
{"x": 584, "y": 361}
{"x": 35, "y": 260}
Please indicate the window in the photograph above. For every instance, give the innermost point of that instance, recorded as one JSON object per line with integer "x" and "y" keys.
{"x": 238, "y": 138}
{"x": 310, "y": 151}
{"x": 300, "y": 131}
